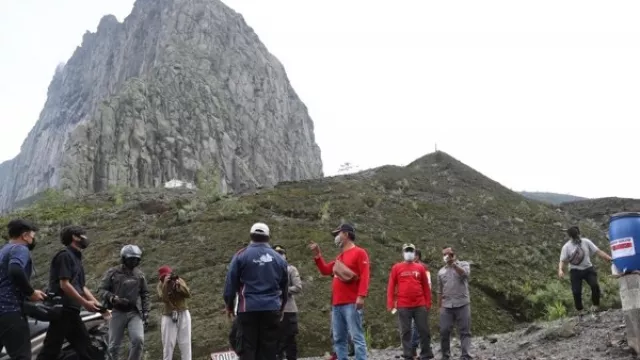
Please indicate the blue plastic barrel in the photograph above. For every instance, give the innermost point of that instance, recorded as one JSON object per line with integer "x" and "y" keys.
{"x": 624, "y": 231}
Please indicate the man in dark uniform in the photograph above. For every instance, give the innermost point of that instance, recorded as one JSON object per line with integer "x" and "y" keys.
{"x": 67, "y": 279}
{"x": 125, "y": 289}
{"x": 259, "y": 276}
{"x": 15, "y": 276}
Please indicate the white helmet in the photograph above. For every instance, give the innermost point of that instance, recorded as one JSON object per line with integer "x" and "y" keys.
{"x": 260, "y": 229}
{"x": 130, "y": 251}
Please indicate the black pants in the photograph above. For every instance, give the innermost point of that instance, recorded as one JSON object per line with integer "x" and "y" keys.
{"x": 258, "y": 335}
{"x": 591, "y": 277}
{"x": 15, "y": 336}
{"x": 420, "y": 316}
{"x": 287, "y": 345}
{"x": 233, "y": 336}
{"x": 69, "y": 326}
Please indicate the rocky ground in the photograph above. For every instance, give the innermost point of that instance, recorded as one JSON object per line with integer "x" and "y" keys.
{"x": 593, "y": 337}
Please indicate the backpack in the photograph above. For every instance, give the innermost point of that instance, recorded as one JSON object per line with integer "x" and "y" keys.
{"x": 578, "y": 255}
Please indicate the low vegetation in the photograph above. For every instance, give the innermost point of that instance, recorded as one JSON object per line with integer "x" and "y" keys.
{"x": 513, "y": 243}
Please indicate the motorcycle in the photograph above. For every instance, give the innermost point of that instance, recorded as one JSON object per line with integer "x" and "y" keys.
{"x": 38, "y": 315}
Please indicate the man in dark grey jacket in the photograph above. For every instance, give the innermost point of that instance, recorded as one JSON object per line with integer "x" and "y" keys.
{"x": 125, "y": 289}
{"x": 287, "y": 345}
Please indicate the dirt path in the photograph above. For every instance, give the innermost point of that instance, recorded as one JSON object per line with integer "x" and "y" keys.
{"x": 599, "y": 337}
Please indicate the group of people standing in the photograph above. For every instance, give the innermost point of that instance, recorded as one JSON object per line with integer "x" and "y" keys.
{"x": 123, "y": 289}
{"x": 261, "y": 286}
{"x": 259, "y": 294}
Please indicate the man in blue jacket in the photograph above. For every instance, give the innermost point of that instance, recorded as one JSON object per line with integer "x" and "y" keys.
{"x": 260, "y": 278}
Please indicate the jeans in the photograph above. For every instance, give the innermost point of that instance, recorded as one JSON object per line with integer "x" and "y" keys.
{"x": 415, "y": 336}
{"x": 591, "y": 277}
{"x": 131, "y": 321}
{"x": 347, "y": 320}
{"x": 14, "y": 336}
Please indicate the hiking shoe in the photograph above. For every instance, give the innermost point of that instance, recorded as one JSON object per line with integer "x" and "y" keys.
{"x": 333, "y": 356}
{"x": 594, "y": 309}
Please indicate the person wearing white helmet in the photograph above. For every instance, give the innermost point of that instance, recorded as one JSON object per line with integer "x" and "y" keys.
{"x": 259, "y": 275}
{"x": 124, "y": 289}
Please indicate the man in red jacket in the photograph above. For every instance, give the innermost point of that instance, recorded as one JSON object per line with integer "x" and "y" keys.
{"x": 350, "y": 271}
{"x": 413, "y": 301}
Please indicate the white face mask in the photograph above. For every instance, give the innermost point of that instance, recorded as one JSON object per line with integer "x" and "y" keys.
{"x": 338, "y": 241}
{"x": 409, "y": 256}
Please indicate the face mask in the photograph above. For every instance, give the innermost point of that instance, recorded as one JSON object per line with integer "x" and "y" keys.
{"x": 445, "y": 258}
{"x": 131, "y": 262}
{"x": 32, "y": 245}
{"x": 84, "y": 242}
{"x": 338, "y": 241}
{"x": 409, "y": 256}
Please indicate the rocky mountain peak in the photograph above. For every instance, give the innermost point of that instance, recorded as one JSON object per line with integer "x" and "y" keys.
{"x": 179, "y": 90}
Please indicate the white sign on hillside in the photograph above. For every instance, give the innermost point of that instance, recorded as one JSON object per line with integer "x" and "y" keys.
{"x": 224, "y": 355}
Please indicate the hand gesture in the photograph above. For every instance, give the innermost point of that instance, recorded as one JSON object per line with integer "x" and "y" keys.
{"x": 37, "y": 296}
{"x": 91, "y": 306}
{"x": 315, "y": 249}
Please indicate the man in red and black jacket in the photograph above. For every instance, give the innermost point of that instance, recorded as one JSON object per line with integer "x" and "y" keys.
{"x": 408, "y": 279}
{"x": 350, "y": 271}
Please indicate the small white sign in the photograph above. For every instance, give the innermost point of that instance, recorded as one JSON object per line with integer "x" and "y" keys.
{"x": 622, "y": 248}
{"x": 224, "y": 355}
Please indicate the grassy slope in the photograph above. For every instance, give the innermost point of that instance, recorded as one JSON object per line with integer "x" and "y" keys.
{"x": 513, "y": 243}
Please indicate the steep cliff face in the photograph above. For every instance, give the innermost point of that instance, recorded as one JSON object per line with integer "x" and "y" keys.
{"x": 180, "y": 88}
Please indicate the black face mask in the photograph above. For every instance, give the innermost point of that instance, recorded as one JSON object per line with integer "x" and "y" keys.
{"x": 131, "y": 262}
{"x": 32, "y": 245}
{"x": 84, "y": 242}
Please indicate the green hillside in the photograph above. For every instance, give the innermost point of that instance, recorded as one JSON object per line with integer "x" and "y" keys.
{"x": 513, "y": 243}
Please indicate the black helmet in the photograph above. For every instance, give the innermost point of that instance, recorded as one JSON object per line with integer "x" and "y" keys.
{"x": 131, "y": 251}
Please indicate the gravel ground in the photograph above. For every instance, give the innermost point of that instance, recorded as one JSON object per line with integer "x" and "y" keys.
{"x": 593, "y": 337}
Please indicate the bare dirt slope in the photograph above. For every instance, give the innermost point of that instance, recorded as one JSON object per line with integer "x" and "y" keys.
{"x": 594, "y": 337}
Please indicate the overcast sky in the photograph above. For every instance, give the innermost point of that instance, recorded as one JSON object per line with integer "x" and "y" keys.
{"x": 538, "y": 95}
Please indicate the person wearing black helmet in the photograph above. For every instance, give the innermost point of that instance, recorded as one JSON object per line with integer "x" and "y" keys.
{"x": 577, "y": 252}
{"x": 15, "y": 276}
{"x": 67, "y": 279}
{"x": 124, "y": 288}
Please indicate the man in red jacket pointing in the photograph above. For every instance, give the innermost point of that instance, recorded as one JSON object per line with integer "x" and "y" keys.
{"x": 412, "y": 303}
{"x": 350, "y": 271}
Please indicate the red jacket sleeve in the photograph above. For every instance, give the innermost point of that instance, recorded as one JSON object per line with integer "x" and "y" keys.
{"x": 323, "y": 267}
{"x": 363, "y": 269}
{"x": 426, "y": 287}
{"x": 391, "y": 287}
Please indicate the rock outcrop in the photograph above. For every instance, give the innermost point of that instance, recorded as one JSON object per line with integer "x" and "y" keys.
{"x": 180, "y": 89}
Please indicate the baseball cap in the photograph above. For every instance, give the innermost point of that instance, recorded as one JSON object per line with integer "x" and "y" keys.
{"x": 406, "y": 247}
{"x": 344, "y": 227}
{"x": 280, "y": 249}
{"x": 260, "y": 229}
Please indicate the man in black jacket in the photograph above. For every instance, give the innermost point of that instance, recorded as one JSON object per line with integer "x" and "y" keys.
{"x": 15, "y": 275}
{"x": 67, "y": 279}
{"x": 125, "y": 289}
